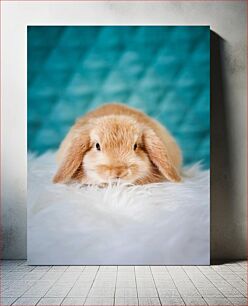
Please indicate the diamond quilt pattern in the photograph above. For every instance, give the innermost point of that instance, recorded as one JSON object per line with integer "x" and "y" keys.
{"x": 162, "y": 70}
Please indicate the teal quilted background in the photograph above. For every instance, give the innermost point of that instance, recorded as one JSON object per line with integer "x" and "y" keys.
{"x": 162, "y": 70}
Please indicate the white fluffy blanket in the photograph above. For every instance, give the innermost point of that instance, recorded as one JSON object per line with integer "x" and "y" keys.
{"x": 162, "y": 223}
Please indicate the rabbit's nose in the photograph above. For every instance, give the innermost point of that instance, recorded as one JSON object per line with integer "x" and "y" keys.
{"x": 119, "y": 172}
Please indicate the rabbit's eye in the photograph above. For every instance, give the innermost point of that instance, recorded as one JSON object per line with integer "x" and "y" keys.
{"x": 98, "y": 146}
{"x": 135, "y": 147}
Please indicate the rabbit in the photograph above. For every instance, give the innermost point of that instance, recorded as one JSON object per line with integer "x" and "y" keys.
{"x": 117, "y": 143}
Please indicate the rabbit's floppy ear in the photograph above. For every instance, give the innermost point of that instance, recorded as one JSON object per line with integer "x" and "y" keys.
{"x": 73, "y": 158}
{"x": 159, "y": 156}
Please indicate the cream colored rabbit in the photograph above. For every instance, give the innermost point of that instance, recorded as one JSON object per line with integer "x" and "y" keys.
{"x": 116, "y": 142}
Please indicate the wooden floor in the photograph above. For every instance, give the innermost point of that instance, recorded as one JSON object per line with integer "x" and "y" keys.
{"x": 123, "y": 285}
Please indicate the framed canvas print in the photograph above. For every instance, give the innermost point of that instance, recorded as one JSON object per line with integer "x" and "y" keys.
{"x": 118, "y": 145}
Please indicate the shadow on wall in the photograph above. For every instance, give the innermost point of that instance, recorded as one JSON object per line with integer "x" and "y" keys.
{"x": 224, "y": 230}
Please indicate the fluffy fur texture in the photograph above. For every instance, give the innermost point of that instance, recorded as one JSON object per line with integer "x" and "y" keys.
{"x": 161, "y": 223}
{"x": 118, "y": 143}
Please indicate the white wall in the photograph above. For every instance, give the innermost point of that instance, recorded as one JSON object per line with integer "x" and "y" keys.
{"x": 228, "y": 109}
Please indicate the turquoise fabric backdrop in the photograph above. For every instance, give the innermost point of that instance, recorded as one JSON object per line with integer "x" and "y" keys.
{"x": 162, "y": 70}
